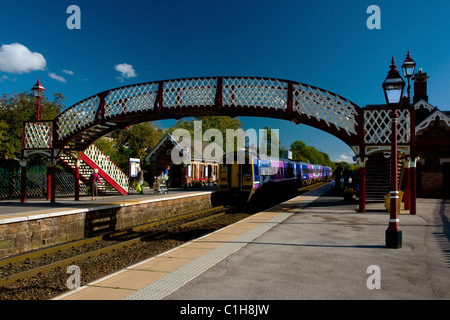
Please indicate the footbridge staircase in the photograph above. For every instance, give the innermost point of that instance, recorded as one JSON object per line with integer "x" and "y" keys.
{"x": 78, "y": 156}
{"x": 94, "y": 158}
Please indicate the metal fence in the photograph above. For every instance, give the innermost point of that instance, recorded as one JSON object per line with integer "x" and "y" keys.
{"x": 10, "y": 182}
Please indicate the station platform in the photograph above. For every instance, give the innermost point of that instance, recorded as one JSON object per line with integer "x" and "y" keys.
{"x": 312, "y": 247}
{"x": 38, "y": 223}
{"x": 14, "y": 210}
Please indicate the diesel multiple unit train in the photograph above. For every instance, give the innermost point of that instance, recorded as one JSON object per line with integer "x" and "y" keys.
{"x": 243, "y": 173}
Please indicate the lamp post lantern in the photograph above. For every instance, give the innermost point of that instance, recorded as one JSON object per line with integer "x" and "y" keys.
{"x": 38, "y": 92}
{"x": 408, "y": 68}
{"x": 393, "y": 87}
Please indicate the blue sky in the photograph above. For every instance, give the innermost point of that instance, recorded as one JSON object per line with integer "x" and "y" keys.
{"x": 322, "y": 43}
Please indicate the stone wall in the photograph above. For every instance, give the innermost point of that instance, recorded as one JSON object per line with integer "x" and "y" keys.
{"x": 28, "y": 233}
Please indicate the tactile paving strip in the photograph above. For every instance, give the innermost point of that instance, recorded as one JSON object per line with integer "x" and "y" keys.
{"x": 175, "y": 280}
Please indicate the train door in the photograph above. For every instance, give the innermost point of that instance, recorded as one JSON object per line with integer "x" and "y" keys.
{"x": 247, "y": 176}
{"x": 304, "y": 173}
{"x": 223, "y": 180}
{"x": 256, "y": 173}
{"x": 235, "y": 176}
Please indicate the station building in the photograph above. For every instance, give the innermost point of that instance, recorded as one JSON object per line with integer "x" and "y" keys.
{"x": 199, "y": 168}
{"x": 432, "y": 143}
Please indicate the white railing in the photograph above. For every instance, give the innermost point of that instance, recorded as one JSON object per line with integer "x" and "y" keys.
{"x": 106, "y": 165}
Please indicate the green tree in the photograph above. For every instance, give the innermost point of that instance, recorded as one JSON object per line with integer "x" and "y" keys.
{"x": 268, "y": 140}
{"x": 134, "y": 142}
{"x": 221, "y": 123}
{"x": 17, "y": 108}
{"x": 299, "y": 151}
{"x": 302, "y": 152}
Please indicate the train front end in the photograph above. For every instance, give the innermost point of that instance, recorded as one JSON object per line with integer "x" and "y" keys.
{"x": 239, "y": 176}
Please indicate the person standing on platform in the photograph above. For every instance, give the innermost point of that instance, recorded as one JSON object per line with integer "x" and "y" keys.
{"x": 140, "y": 177}
{"x": 166, "y": 176}
{"x": 337, "y": 175}
{"x": 94, "y": 180}
{"x": 346, "y": 176}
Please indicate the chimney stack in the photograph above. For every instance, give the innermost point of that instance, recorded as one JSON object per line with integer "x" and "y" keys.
{"x": 420, "y": 86}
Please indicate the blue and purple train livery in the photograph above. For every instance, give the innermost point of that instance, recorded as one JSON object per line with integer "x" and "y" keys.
{"x": 244, "y": 173}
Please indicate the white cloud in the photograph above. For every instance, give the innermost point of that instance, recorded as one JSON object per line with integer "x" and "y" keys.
{"x": 68, "y": 72}
{"x": 7, "y": 78}
{"x": 16, "y": 58}
{"x": 56, "y": 77}
{"x": 126, "y": 71}
{"x": 346, "y": 157}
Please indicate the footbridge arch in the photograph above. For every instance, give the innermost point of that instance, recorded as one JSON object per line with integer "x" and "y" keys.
{"x": 232, "y": 96}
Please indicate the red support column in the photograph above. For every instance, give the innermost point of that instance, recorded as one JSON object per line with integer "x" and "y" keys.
{"x": 49, "y": 181}
{"x": 413, "y": 166}
{"x": 53, "y": 181}
{"x": 23, "y": 191}
{"x": 77, "y": 180}
{"x": 362, "y": 188}
{"x": 413, "y": 198}
{"x": 407, "y": 192}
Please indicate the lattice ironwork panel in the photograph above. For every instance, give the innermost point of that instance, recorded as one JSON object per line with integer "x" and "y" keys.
{"x": 404, "y": 126}
{"x": 190, "y": 92}
{"x": 78, "y": 116}
{"x": 131, "y": 99}
{"x": 255, "y": 92}
{"x": 38, "y": 135}
{"x": 109, "y": 167}
{"x": 378, "y": 127}
{"x": 325, "y": 106}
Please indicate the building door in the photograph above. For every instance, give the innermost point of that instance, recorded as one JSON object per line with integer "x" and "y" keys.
{"x": 175, "y": 176}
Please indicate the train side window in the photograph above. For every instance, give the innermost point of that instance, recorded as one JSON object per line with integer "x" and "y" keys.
{"x": 247, "y": 169}
{"x": 256, "y": 170}
{"x": 223, "y": 168}
{"x": 290, "y": 170}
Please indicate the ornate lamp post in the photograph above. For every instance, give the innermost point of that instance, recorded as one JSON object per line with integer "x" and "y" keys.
{"x": 38, "y": 92}
{"x": 408, "y": 68}
{"x": 393, "y": 87}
